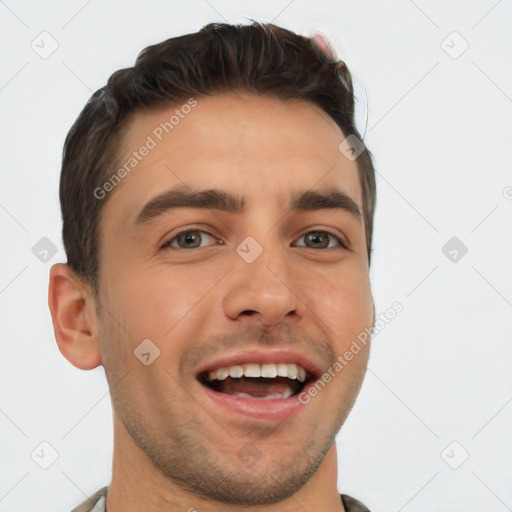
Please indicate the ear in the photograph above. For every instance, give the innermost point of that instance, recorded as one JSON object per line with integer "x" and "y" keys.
{"x": 75, "y": 324}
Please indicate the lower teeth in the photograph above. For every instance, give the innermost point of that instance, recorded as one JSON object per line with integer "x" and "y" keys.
{"x": 287, "y": 394}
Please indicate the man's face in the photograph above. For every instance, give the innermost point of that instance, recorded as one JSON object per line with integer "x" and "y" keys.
{"x": 190, "y": 280}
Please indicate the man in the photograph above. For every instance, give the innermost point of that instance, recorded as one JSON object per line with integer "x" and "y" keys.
{"x": 218, "y": 236}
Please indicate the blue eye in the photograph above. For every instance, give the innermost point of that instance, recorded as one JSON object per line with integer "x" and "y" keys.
{"x": 319, "y": 239}
{"x": 190, "y": 239}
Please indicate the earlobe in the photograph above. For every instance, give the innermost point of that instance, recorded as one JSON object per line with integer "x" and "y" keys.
{"x": 73, "y": 310}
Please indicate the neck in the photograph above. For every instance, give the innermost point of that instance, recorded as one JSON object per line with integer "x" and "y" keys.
{"x": 137, "y": 485}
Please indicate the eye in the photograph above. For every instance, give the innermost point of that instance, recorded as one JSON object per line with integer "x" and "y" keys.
{"x": 189, "y": 239}
{"x": 321, "y": 240}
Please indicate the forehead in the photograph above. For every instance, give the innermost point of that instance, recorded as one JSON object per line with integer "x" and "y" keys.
{"x": 260, "y": 148}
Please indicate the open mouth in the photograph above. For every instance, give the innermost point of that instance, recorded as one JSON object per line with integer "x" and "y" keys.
{"x": 260, "y": 381}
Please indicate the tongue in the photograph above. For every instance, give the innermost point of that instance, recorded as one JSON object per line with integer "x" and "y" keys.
{"x": 257, "y": 386}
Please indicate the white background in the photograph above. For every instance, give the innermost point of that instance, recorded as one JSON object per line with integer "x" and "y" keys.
{"x": 440, "y": 129}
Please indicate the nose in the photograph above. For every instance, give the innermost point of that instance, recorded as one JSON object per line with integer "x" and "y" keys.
{"x": 263, "y": 291}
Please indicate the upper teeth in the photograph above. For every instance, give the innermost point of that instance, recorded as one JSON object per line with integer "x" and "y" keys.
{"x": 269, "y": 371}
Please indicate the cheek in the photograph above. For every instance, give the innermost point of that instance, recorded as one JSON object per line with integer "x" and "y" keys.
{"x": 345, "y": 307}
{"x": 162, "y": 306}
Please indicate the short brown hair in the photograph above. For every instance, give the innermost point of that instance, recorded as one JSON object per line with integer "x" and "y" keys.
{"x": 261, "y": 58}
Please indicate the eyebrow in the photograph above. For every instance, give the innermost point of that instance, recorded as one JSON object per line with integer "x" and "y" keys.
{"x": 215, "y": 199}
{"x": 332, "y": 199}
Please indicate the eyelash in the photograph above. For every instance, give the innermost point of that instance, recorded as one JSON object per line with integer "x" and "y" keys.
{"x": 167, "y": 244}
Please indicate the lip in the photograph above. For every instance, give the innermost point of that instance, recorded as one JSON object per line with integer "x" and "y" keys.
{"x": 274, "y": 409}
